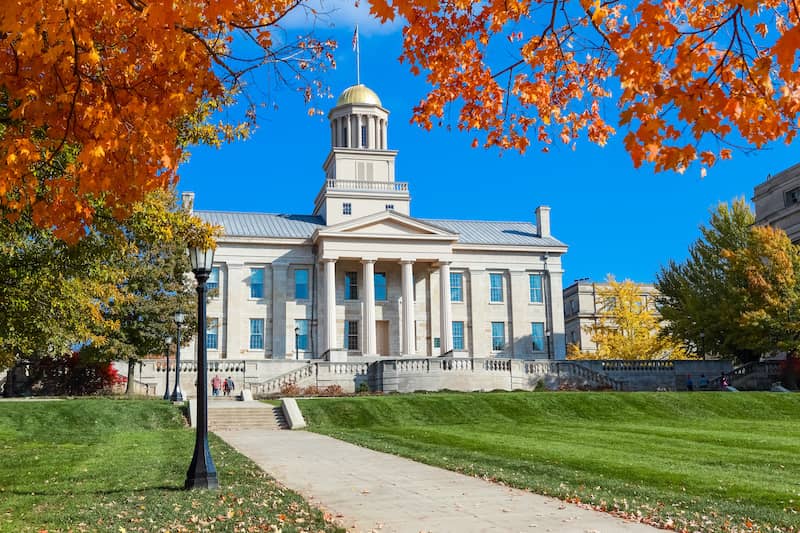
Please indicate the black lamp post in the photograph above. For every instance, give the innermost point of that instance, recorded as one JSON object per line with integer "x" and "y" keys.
{"x": 547, "y": 336}
{"x": 202, "y": 473}
{"x": 177, "y": 393}
{"x": 297, "y": 343}
{"x": 703, "y": 345}
{"x": 166, "y": 378}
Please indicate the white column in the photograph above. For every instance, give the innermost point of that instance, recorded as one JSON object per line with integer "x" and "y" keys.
{"x": 358, "y": 132}
{"x": 385, "y": 128}
{"x": 445, "y": 312}
{"x": 233, "y": 298}
{"x": 330, "y": 304}
{"x": 408, "y": 307}
{"x": 369, "y": 347}
{"x": 280, "y": 333}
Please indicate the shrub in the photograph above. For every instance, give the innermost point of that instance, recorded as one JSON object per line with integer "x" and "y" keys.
{"x": 311, "y": 390}
{"x": 69, "y": 374}
{"x": 363, "y": 388}
{"x": 290, "y": 389}
{"x": 332, "y": 390}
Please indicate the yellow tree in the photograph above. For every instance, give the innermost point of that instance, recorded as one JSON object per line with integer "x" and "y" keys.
{"x": 627, "y": 327}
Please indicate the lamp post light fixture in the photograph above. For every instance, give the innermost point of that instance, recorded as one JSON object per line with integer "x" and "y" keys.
{"x": 297, "y": 343}
{"x": 177, "y": 393}
{"x": 166, "y": 377}
{"x": 202, "y": 473}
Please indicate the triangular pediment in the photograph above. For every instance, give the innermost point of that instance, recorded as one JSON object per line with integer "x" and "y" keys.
{"x": 389, "y": 224}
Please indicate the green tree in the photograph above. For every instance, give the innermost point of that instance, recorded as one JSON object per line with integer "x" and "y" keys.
{"x": 154, "y": 285}
{"x": 737, "y": 293}
{"x": 627, "y": 327}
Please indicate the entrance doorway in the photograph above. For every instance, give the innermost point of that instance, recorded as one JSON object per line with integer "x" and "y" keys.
{"x": 382, "y": 337}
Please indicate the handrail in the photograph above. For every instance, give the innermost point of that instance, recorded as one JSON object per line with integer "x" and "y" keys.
{"x": 274, "y": 384}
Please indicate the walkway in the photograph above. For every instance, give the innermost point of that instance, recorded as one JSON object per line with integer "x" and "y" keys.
{"x": 371, "y": 491}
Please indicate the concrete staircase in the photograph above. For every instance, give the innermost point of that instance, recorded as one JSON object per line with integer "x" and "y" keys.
{"x": 232, "y": 416}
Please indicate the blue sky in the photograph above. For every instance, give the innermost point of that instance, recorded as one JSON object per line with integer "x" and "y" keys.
{"x": 614, "y": 218}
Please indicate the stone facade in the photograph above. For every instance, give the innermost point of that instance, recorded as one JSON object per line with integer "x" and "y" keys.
{"x": 777, "y": 202}
{"x": 360, "y": 278}
{"x": 582, "y": 308}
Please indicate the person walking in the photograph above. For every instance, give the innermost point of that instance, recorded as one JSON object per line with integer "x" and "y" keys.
{"x": 216, "y": 383}
{"x": 225, "y": 389}
{"x": 229, "y": 385}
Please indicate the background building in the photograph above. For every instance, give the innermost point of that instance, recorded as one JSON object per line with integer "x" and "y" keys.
{"x": 583, "y": 306}
{"x": 360, "y": 277}
{"x": 777, "y": 202}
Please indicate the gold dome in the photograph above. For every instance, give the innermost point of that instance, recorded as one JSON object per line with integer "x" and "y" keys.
{"x": 358, "y": 94}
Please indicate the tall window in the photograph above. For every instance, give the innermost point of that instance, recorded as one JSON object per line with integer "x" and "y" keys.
{"x": 212, "y": 333}
{"x": 213, "y": 279}
{"x": 301, "y": 284}
{"x": 498, "y": 336}
{"x": 256, "y": 283}
{"x": 495, "y": 287}
{"x": 347, "y": 208}
{"x": 256, "y": 333}
{"x": 458, "y": 335}
{"x": 537, "y": 336}
{"x": 363, "y": 136}
{"x": 535, "y": 281}
{"x": 344, "y": 134}
{"x": 302, "y": 333}
{"x": 351, "y": 285}
{"x": 456, "y": 287}
{"x": 351, "y": 335}
{"x": 380, "y": 286}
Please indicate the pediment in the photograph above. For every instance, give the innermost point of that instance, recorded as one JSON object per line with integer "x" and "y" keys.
{"x": 388, "y": 224}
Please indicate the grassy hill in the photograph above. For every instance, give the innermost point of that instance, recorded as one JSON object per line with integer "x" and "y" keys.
{"x": 702, "y": 461}
{"x": 119, "y": 465}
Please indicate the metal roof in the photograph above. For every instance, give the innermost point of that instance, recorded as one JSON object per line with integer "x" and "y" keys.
{"x": 303, "y": 227}
{"x": 492, "y": 232}
{"x": 263, "y": 224}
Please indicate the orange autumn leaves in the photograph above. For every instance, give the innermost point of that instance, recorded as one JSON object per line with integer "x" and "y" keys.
{"x": 93, "y": 95}
{"x": 690, "y": 78}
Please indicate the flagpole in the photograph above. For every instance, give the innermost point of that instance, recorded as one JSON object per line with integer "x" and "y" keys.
{"x": 358, "y": 58}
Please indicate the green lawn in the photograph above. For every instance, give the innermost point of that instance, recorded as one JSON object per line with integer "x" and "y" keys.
{"x": 700, "y": 461}
{"x": 119, "y": 465}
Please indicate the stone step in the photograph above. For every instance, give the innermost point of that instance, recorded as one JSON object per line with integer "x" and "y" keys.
{"x": 246, "y": 418}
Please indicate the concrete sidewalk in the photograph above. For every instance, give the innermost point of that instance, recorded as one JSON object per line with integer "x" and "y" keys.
{"x": 371, "y": 491}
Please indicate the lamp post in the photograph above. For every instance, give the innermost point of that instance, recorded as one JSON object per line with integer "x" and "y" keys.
{"x": 297, "y": 343}
{"x": 166, "y": 378}
{"x": 547, "y": 335}
{"x": 703, "y": 345}
{"x": 177, "y": 393}
{"x": 202, "y": 473}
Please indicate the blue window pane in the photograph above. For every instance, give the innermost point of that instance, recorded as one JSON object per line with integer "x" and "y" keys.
{"x": 498, "y": 335}
{"x": 301, "y": 284}
{"x": 212, "y": 333}
{"x": 456, "y": 287}
{"x": 351, "y": 286}
{"x": 496, "y": 287}
{"x": 537, "y": 336}
{"x": 256, "y": 333}
{"x": 536, "y": 288}
{"x": 302, "y": 334}
{"x": 380, "y": 286}
{"x": 256, "y": 283}
{"x": 213, "y": 279}
{"x": 458, "y": 335}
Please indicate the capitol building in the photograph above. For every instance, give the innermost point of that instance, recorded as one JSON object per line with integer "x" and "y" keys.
{"x": 360, "y": 278}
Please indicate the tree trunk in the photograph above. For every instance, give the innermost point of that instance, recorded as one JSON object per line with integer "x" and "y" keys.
{"x": 131, "y": 371}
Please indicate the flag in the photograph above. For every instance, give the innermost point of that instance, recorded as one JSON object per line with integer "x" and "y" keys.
{"x": 355, "y": 39}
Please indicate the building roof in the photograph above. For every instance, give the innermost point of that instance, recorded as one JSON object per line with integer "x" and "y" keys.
{"x": 358, "y": 94}
{"x": 263, "y": 224}
{"x": 303, "y": 226}
{"x": 492, "y": 232}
